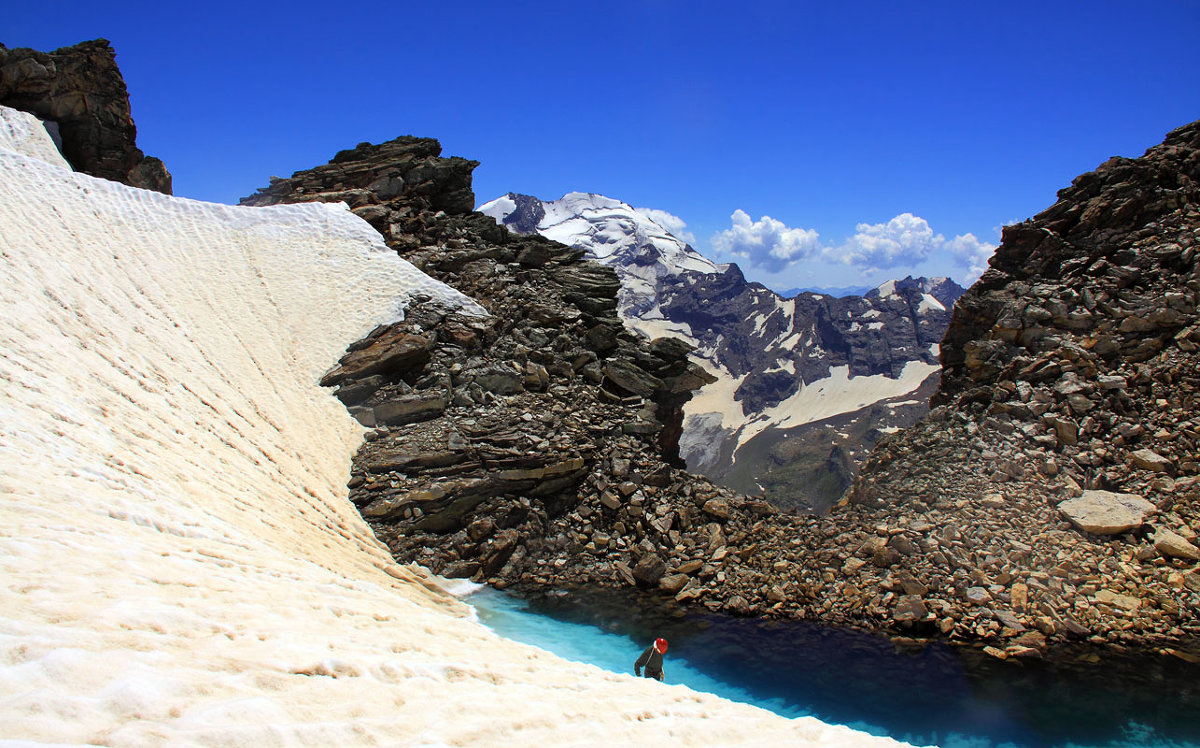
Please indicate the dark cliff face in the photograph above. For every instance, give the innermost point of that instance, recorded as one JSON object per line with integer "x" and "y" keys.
{"x": 1109, "y": 268}
{"x": 81, "y": 90}
{"x": 505, "y": 423}
{"x": 554, "y": 308}
{"x": 395, "y": 180}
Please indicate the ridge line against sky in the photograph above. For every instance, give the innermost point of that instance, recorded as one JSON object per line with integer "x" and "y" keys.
{"x": 789, "y": 136}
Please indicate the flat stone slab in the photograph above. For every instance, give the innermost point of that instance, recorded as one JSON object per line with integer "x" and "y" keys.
{"x": 1175, "y": 545}
{"x": 1107, "y": 513}
{"x": 1150, "y": 460}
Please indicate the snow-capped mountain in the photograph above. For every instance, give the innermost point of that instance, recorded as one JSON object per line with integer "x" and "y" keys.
{"x": 643, "y": 251}
{"x": 812, "y": 379}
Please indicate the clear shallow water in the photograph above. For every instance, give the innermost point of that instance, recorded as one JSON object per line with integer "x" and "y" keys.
{"x": 924, "y": 695}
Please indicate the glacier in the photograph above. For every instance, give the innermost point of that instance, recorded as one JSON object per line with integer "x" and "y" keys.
{"x": 181, "y": 564}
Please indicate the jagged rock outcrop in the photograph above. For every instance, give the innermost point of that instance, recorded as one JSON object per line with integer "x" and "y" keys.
{"x": 79, "y": 92}
{"x": 1072, "y": 366}
{"x": 489, "y": 425}
{"x": 523, "y": 450}
{"x": 812, "y": 376}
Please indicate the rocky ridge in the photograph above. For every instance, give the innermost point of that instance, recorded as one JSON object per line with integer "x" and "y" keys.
{"x": 755, "y": 429}
{"x": 482, "y": 467}
{"x": 79, "y": 92}
{"x": 1068, "y": 399}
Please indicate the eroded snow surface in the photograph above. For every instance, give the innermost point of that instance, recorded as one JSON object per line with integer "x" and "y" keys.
{"x": 180, "y": 562}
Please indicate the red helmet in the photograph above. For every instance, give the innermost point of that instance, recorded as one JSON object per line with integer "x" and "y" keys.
{"x": 660, "y": 645}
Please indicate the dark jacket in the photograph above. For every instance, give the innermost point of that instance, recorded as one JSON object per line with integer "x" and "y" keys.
{"x": 652, "y": 660}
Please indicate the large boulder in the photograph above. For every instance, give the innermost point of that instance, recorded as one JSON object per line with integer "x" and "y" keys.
{"x": 1107, "y": 513}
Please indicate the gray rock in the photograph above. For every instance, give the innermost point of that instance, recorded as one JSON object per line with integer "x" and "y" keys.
{"x": 978, "y": 596}
{"x": 500, "y": 380}
{"x": 1107, "y": 513}
{"x": 628, "y": 377}
{"x": 410, "y": 409}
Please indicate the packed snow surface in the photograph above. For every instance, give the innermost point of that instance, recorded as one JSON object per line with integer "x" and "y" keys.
{"x": 180, "y": 563}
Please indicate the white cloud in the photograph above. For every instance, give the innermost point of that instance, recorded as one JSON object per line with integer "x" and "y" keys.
{"x": 904, "y": 245}
{"x": 672, "y": 223}
{"x": 766, "y": 243}
{"x": 906, "y": 240}
{"x": 971, "y": 254}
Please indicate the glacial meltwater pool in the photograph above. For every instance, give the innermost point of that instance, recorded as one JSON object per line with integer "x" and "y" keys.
{"x": 932, "y": 695}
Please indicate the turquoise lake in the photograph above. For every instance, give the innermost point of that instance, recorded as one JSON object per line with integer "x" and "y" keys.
{"x": 925, "y": 695}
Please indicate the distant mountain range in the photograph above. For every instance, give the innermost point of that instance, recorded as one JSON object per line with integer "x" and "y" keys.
{"x": 804, "y": 385}
{"x": 838, "y": 291}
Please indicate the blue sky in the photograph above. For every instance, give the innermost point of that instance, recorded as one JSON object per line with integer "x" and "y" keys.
{"x": 818, "y": 144}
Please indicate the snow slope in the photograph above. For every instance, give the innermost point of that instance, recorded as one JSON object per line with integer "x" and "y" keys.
{"x": 180, "y": 563}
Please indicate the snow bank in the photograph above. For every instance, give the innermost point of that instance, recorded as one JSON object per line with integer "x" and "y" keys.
{"x": 180, "y": 563}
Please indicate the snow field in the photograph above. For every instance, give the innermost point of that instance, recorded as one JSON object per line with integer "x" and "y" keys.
{"x": 180, "y": 563}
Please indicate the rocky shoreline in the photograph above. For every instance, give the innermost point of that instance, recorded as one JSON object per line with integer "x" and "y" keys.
{"x": 535, "y": 448}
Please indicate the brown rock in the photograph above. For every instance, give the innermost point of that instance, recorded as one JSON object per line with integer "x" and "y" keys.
{"x": 81, "y": 89}
{"x": 909, "y": 608}
{"x": 738, "y": 606}
{"x": 1172, "y": 544}
{"x": 394, "y": 351}
{"x": 649, "y": 570}
{"x": 1147, "y": 459}
{"x": 673, "y": 583}
{"x": 625, "y": 573}
{"x": 498, "y": 551}
{"x": 718, "y": 508}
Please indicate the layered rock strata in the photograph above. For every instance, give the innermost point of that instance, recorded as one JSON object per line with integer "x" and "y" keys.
{"x": 492, "y": 423}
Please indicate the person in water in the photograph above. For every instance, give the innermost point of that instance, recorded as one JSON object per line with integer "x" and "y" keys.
{"x": 652, "y": 660}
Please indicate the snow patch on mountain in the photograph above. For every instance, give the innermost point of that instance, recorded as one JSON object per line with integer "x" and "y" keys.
{"x": 643, "y": 250}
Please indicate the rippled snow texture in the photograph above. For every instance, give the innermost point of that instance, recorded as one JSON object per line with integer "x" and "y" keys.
{"x": 179, "y": 562}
